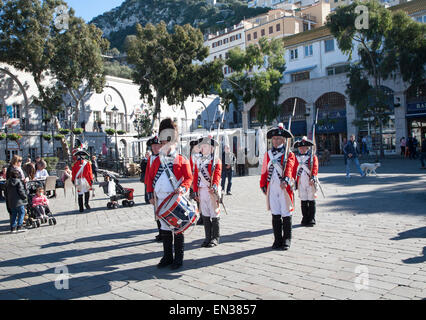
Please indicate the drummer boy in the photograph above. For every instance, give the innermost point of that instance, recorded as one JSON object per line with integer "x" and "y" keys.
{"x": 160, "y": 186}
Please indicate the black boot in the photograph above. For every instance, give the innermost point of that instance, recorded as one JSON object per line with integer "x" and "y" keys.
{"x": 80, "y": 202}
{"x": 179, "y": 243}
{"x": 215, "y": 233}
{"x": 158, "y": 238}
{"x": 277, "y": 226}
{"x": 86, "y": 200}
{"x": 287, "y": 232}
{"x": 305, "y": 212}
{"x": 167, "y": 259}
{"x": 312, "y": 209}
{"x": 207, "y": 229}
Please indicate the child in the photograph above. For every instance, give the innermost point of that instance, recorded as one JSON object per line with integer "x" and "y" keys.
{"x": 16, "y": 200}
{"x": 41, "y": 204}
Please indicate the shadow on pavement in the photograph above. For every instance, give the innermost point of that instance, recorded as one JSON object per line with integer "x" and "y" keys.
{"x": 410, "y": 234}
{"x": 94, "y": 285}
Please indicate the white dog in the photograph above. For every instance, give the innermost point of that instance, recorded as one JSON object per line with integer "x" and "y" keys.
{"x": 368, "y": 168}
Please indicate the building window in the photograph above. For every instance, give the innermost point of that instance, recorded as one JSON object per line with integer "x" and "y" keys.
{"x": 226, "y": 40}
{"x": 278, "y": 26}
{"x": 293, "y": 54}
{"x": 108, "y": 119}
{"x": 336, "y": 70}
{"x": 305, "y": 27}
{"x": 220, "y": 56}
{"x": 271, "y": 30}
{"x": 300, "y": 76}
{"x": 262, "y": 32}
{"x": 232, "y": 38}
{"x": 309, "y": 51}
{"x": 238, "y": 36}
{"x": 96, "y": 116}
{"x": 255, "y": 35}
{"x": 248, "y": 37}
{"x": 329, "y": 45}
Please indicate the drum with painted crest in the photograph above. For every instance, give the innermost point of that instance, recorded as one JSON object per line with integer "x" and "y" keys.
{"x": 178, "y": 212}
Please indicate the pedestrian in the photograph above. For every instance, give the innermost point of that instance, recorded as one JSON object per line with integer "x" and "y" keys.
{"x": 67, "y": 174}
{"x": 16, "y": 200}
{"x": 16, "y": 164}
{"x": 415, "y": 145}
{"x": 82, "y": 177}
{"x": 364, "y": 146}
{"x": 3, "y": 182}
{"x": 409, "y": 147}
{"x": 241, "y": 160}
{"x": 155, "y": 146}
{"x": 206, "y": 185}
{"x": 228, "y": 163}
{"x": 351, "y": 155}
{"x": 277, "y": 172}
{"x": 95, "y": 168}
{"x": 423, "y": 153}
{"x": 41, "y": 172}
{"x": 402, "y": 143}
{"x": 29, "y": 170}
{"x": 159, "y": 187}
{"x": 143, "y": 166}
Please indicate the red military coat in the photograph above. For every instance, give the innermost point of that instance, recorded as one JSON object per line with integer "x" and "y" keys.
{"x": 314, "y": 169}
{"x": 288, "y": 172}
{"x": 216, "y": 175}
{"x": 87, "y": 171}
{"x": 181, "y": 169}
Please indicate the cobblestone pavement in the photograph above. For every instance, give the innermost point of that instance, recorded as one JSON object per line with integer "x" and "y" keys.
{"x": 369, "y": 243}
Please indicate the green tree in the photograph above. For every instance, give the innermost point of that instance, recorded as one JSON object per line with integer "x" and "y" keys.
{"x": 164, "y": 68}
{"x": 257, "y": 77}
{"x": 77, "y": 62}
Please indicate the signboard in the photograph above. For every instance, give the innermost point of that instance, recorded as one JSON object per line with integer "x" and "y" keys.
{"x": 416, "y": 107}
{"x": 12, "y": 145}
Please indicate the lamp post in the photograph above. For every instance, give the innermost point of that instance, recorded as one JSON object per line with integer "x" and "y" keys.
{"x": 115, "y": 114}
{"x": 138, "y": 124}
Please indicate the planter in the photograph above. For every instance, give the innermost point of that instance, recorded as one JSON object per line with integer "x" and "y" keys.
{"x": 77, "y": 131}
{"x": 47, "y": 137}
{"x": 110, "y": 132}
{"x": 2, "y": 136}
{"x": 14, "y": 136}
{"x": 121, "y": 132}
{"x": 59, "y": 137}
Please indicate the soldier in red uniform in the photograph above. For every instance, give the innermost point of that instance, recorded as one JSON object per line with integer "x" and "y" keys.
{"x": 155, "y": 146}
{"x": 306, "y": 171}
{"x": 82, "y": 177}
{"x": 207, "y": 178}
{"x": 160, "y": 186}
{"x": 275, "y": 184}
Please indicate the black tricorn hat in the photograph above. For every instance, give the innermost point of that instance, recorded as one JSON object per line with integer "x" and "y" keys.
{"x": 153, "y": 140}
{"x": 168, "y": 131}
{"x": 208, "y": 140}
{"x": 279, "y": 131}
{"x": 193, "y": 143}
{"x": 305, "y": 142}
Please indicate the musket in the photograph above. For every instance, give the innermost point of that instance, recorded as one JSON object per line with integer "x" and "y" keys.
{"x": 219, "y": 198}
{"x": 287, "y": 147}
{"x": 314, "y": 151}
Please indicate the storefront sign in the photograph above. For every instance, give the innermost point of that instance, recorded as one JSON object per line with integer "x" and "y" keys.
{"x": 416, "y": 107}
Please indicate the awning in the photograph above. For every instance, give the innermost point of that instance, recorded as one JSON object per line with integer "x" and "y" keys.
{"x": 301, "y": 70}
{"x": 415, "y": 115}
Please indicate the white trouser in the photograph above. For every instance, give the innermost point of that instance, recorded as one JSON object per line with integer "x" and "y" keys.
{"x": 306, "y": 191}
{"x": 163, "y": 189}
{"x": 277, "y": 200}
{"x": 206, "y": 203}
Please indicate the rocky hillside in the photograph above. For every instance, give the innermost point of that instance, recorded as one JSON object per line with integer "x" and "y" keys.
{"x": 120, "y": 22}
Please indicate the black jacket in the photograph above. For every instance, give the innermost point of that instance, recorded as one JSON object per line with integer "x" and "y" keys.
{"x": 144, "y": 164}
{"x": 15, "y": 194}
{"x": 351, "y": 147}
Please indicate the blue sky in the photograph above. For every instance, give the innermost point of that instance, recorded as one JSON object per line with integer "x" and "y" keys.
{"x": 88, "y": 9}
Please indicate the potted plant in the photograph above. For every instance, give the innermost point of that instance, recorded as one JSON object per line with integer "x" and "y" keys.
{"x": 47, "y": 137}
{"x": 14, "y": 136}
{"x": 2, "y": 136}
{"x": 121, "y": 132}
{"x": 59, "y": 137}
{"x": 64, "y": 131}
{"x": 110, "y": 132}
{"x": 77, "y": 131}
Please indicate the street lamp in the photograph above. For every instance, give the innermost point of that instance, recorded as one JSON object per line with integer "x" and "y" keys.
{"x": 138, "y": 126}
{"x": 115, "y": 115}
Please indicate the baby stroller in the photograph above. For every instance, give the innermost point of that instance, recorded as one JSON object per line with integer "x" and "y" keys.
{"x": 34, "y": 220}
{"x": 115, "y": 191}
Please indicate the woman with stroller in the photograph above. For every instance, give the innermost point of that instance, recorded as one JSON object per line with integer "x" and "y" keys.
{"x": 41, "y": 204}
